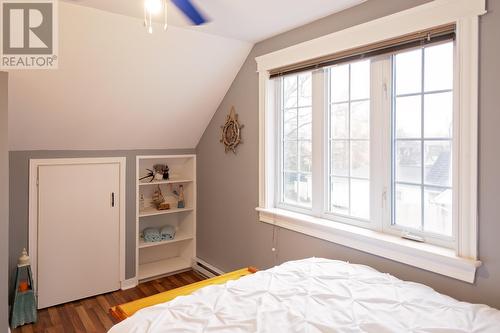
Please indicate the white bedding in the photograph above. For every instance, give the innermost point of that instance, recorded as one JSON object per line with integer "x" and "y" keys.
{"x": 314, "y": 295}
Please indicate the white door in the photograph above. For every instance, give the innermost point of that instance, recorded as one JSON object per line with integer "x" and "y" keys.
{"x": 78, "y": 232}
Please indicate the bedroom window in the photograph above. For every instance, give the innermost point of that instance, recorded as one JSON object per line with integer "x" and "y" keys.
{"x": 422, "y": 140}
{"x": 368, "y": 137}
{"x": 349, "y": 139}
{"x": 296, "y": 140}
{"x": 405, "y": 142}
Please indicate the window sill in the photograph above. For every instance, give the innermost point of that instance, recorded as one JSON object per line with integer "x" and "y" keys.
{"x": 425, "y": 256}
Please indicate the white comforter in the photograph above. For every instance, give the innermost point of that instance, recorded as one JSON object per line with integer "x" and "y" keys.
{"x": 315, "y": 295}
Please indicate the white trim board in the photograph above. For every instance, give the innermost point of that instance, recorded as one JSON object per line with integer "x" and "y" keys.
{"x": 432, "y": 14}
{"x": 129, "y": 284}
{"x": 425, "y": 256}
{"x": 33, "y": 203}
{"x": 464, "y": 13}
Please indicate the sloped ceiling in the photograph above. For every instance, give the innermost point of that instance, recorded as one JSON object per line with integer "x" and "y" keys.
{"x": 118, "y": 87}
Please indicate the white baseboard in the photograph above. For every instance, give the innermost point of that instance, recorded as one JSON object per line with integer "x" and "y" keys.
{"x": 129, "y": 284}
{"x": 205, "y": 268}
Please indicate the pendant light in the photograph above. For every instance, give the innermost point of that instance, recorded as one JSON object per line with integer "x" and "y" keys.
{"x": 153, "y": 8}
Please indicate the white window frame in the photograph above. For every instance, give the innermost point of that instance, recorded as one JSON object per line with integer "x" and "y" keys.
{"x": 327, "y": 214}
{"x": 388, "y": 226}
{"x": 279, "y": 149}
{"x": 462, "y": 261}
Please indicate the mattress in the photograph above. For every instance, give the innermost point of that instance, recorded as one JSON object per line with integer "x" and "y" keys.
{"x": 315, "y": 295}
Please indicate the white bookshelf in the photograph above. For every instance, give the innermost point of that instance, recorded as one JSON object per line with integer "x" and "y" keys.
{"x": 169, "y": 256}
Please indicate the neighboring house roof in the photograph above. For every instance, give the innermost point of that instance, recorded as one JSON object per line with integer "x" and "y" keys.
{"x": 440, "y": 170}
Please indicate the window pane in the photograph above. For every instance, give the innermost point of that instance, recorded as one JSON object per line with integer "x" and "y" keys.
{"x": 408, "y": 117}
{"x": 297, "y": 139}
{"x": 339, "y": 83}
{"x": 438, "y": 211}
{"x": 340, "y": 121}
{"x": 290, "y": 91}
{"x": 426, "y": 205}
{"x": 437, "y": 156}
{"x": 305, "y": 89}
{"x": 439, "y": 67}
{"x": 350, "y": 135}
{"x": 360, "y": 120}
{"x": 438, "y": 115}
{"x": 408, "y": 208}
{"x": 360, "y": 159}
{"x": 360, "y": 80}
{"x": 360, "y": 198}
{"x": 290, "y": 124}
{"x": 409, "y": 72}
{"x": 290, "y": 156}
{"x": 305, "y": 190}
{"x": 340, "y": 158}
{"x": 305, "y": 123}
{"x": 290, "y": 187}
{"x": 305, "y": 156}
{"x": 339, "y": 195}
{"x": 409, "y": 161}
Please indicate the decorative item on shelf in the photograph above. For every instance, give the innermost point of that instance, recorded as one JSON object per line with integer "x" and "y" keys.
{"x": 164, "y": 206}
{"x": 24, "y": 306}
{"x": 151, "y": 174}
{"x": 151, "y": 235}
{"x": 158, "y": 197}
{"x": 159, "y": 200}
{"x": 154, "y": 235}
{"x": 167, "y": 232}
{"x": 166, "y": 174}
{"x": 142, "y": 203}
{"x": 231, "y": 132}
{"x": 180, "y": 196}
{"x": 158, "y": 171}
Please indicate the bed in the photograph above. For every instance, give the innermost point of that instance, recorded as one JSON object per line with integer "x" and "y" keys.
{"x": 314, "y": 295}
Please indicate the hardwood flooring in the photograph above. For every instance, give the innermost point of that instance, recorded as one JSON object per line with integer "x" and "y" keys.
{"x": 92, "y": 314}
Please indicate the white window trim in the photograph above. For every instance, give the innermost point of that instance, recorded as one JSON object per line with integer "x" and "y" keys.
{"x": 460, "y": 264}
{"x": 430, "y": 257}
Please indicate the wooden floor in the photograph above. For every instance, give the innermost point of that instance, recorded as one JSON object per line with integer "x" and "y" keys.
{"x": 92, "y": 314}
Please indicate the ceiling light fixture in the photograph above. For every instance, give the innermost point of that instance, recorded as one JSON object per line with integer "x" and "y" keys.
{"x": 153, "y": 8}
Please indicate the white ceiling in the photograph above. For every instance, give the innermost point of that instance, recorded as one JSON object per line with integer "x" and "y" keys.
{"x": 247, "y": 20}
{"x": 118, "y": 87}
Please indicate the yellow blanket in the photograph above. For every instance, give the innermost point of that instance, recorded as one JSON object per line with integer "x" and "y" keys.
{"x": 123, "y": 311}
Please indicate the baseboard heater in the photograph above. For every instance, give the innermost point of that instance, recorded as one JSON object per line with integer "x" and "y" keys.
{"x": 205, "y": 268}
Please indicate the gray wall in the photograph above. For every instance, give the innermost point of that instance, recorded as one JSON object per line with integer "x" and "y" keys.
{"x": 229, "y": 234}
{"x": 4, "y": 204}
{"x": 19, "y": 171}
